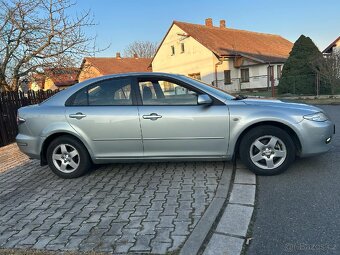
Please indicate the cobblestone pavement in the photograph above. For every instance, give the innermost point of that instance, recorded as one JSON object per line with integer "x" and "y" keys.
{"x": 117, "y": 208}
{"x": 11, "y": 157}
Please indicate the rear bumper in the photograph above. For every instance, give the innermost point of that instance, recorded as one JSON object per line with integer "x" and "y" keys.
{"x": 316, "y": 137}
{"x": 29, "y": 145}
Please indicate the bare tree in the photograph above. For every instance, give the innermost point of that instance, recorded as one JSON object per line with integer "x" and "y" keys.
{"x": 143, "y": 49}
{"x": 328, "y": 68}
{"x": 37, "y": 34}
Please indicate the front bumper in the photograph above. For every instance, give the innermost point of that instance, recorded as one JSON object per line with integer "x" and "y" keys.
{"x": 315, "y": 137}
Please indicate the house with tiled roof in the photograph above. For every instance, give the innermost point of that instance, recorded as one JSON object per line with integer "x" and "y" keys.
{"x": 54, "y": 78}
{"x": 333, "y": 47}
{"x": 36, "y": 81}
{"x": 98, "y": 66}
{"x": 229, "y": 58}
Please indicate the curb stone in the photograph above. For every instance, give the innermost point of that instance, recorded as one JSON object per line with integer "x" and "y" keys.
{"x": 196, "y": 239}
{"x": 230, "y": 233}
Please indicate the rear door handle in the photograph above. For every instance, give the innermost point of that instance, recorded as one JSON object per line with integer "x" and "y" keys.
{"x": 152, "y": 116}
{"x": 77, "y": 115}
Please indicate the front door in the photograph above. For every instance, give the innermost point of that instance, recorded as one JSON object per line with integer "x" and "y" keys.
{"x": 106, "y": 116}
{"x": 174, "y": 125}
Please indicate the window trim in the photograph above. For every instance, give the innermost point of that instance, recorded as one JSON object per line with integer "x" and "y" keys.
{"x": 69, "y": 102}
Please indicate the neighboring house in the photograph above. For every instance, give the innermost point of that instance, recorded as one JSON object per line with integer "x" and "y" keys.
{"x": 36, "y": 82}
{"x": 60, "y": 78}
{"x": 54, "y": 78}
{"x": 233, "y": 59}
{"x": 333, "y": 47}
{"x": 93, "y": 67}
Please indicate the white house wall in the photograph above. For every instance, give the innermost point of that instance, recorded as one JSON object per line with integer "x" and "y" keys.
{"x": 257, "y": 76}
{"x": 195, "y": 59}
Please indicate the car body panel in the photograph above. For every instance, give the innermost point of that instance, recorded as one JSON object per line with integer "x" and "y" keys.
{"x": 185, "y": 131}
{"x": 113, "y": 132}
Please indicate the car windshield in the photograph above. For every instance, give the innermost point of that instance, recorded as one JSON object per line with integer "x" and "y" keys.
{"x": 210, "y": 88}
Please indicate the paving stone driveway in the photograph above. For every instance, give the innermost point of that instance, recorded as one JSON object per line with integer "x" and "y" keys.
{"x": 116, "y": 208}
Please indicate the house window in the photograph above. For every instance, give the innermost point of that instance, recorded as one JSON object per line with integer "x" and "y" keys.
{"x": 245, "y": 75}
{"x": 227, "y": 78}
{"x": 182, "y": 47}
{"x": 172, "y": 50}
{"x": 196, "y": 76}
{"x": 270, "y": 75}
{"x": 279, "y": 71}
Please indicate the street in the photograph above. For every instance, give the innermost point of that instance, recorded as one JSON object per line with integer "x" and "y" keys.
{"x": 297, "y": 212}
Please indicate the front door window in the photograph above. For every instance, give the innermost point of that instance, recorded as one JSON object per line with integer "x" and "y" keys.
{"x": 160, "y": 92}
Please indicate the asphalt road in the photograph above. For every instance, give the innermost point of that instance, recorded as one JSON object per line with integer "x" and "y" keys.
{"x": 298, "y": 212}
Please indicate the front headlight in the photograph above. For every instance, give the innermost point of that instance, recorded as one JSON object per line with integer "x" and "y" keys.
{"x": 319, "y": 116}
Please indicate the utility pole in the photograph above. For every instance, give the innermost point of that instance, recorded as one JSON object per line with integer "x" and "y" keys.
{"x": 317, "y": 84}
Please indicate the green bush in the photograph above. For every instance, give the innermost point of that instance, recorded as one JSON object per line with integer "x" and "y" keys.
{"x": 298, "y": 76}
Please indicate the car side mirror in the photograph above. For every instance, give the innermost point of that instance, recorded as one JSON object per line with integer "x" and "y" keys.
{"x": 204, "y": 99}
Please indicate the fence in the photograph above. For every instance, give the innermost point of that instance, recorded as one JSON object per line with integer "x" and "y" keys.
{"x": 298, "y": 85}
{"x": 258, "y": 82}
{"x": 10, "y": 102}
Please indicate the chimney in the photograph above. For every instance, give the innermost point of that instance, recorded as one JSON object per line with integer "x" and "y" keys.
{"x": 135, "y": 56}
{"x": 209, "y": 22}
{"x": 222, "y": 23}
{"x": 118, "y": 55}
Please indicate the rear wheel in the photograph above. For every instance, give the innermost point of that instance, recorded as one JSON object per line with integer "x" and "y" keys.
{"x": 267, "y": 150}
{"x": 67, "y": 157}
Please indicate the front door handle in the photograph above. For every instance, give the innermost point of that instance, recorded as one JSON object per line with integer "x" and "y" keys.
{"x": 152, "y": 116}
{"x": 77, "y": 115}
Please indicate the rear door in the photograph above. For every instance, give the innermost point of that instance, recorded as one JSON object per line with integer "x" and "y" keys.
{"x": 174, "y": 125}
{"x": 106, "y": 115}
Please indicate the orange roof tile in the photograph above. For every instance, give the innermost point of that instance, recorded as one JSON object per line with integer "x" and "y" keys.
{"x": 63, "y": 76}
{"x": 230, "y": 42}
{"x": 119, "y": 65}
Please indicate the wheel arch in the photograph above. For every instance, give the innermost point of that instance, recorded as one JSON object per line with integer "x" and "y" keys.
{"x": 283, "y": 126}
{"x": 53, "y": 136}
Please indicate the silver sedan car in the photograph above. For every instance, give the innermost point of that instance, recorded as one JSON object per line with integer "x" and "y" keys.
{"x": 164, "y": 117}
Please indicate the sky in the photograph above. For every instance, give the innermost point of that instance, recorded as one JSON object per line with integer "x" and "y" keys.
{"x": 120, "y": 22}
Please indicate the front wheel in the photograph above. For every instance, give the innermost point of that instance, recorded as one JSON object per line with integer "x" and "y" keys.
{"x": 267, "y": 150}
{"x": 67, "y": 157}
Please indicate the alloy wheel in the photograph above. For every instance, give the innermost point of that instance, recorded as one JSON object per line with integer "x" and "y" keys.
{"x": 66, "y": 158}
{"x": 268, "y": 152}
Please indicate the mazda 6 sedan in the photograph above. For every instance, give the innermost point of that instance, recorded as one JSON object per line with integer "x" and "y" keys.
{"x": 165, "y": 117}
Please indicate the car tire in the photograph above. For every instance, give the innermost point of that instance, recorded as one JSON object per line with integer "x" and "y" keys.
{"x": 67, "y": 157}
{"x": 267, "y": 150}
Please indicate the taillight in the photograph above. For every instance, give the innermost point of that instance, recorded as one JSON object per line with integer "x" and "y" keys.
{"x": 20, "y": 120}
